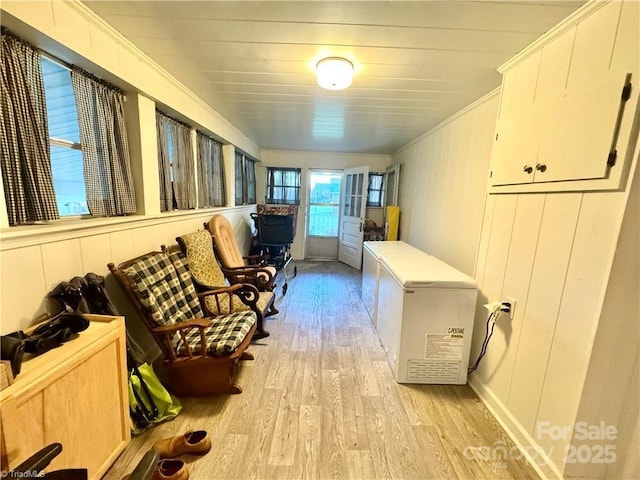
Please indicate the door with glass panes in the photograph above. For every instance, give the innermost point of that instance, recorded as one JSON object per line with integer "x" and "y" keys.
{"x": 323, "y": 213}
{"x": 352, "y": 213}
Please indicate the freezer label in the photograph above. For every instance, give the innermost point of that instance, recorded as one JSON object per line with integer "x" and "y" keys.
{"x": 439, "y": 346}
{"x": 433, "y": 371}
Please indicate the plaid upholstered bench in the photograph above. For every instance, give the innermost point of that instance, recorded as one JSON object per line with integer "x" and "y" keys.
{"x": 200, "y": 353}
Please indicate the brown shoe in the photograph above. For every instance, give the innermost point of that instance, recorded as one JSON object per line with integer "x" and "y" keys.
{"x": 194, "y": 443}
{"x": 171, "y": 470}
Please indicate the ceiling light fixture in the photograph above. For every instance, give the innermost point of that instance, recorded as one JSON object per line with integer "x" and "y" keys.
{"x": 334, "y": 73}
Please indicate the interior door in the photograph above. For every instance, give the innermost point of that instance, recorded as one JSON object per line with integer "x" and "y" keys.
{"x": 352, "y": 210}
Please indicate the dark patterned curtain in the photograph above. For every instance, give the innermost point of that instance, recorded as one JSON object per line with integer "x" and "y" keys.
{"x": 175, "y": 164}
{"x": 240, "y": 179}
{"x": 250, "y": 176}
{"x": 164, "y": 163}
{"x": 184, "y": 175}
{"x": 283, "y": 186}
{"x": 105, "y": 151}
{"x": 25, "y": 158}
{"x": 211, "y": 192}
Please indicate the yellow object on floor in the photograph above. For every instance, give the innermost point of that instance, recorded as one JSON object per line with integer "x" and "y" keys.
{"x": 393, "y": 220}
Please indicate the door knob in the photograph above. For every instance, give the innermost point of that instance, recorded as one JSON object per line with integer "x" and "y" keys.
{"x": 528, "y": 169}
{"x": 541, "y": 167}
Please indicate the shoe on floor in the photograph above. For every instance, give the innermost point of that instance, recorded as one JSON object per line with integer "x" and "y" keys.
{"x": 194, "y": 443}
{"x": 158, "y": 470}
{"x": 171, "y": 470}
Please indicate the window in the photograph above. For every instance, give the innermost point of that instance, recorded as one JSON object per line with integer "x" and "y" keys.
{"x": 175, "y": 164}
{"x": 283, "y": 186}
{"x": 211, "y": 192}
{"x": 324, "y": 203}
{"x": 375, "y": 196}
{"x": 245, "y": 175}
{"x": 64, "y": 137}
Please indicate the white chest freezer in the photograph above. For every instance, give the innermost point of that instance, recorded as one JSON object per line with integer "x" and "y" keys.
{"x": 425, "y": 319}
{"x": 372, "y": 252}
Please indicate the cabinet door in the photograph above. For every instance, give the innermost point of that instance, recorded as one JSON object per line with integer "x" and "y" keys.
{"x": 515, "y": 150}
{"x": 515, "y": 143}
{"x": 580, "y": 132}
{"x": 594, "y": 44}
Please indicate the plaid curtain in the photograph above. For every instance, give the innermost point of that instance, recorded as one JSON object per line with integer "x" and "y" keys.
{"x": 250, "y": 168}
{"x": 211, "y": 192}
{"x": 105, "y": 151}
{"x": 25, "y": 158}
{"x": 240, "y": 179}
{"x": 175, "y": 164}
{"x": 164, "y": 164}
{"x": 184, "y": 175}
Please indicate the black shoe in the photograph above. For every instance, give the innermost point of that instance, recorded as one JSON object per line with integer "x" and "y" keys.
{"x": 65, "y": 320}
{"x": 41, "y": 344}
{"x": 12, "y": 348}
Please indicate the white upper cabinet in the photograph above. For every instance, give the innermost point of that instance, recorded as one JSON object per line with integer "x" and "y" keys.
{"x": 569, "y": 103}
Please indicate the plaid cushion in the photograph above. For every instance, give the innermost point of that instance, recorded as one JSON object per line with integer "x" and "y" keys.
{"x": 180, "y": 263}
{"x": 160, "y": 290}
{"x": 223, "y": 337}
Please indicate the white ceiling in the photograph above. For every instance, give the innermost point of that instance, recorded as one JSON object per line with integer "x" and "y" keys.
{"x": 416, "y": 63}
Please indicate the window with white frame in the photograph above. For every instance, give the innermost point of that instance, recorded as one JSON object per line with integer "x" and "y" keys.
{"x": 375, "y": 195}
{"x": 283, "y": 186}
{"x": 245, "y": 180}
{"x": 65, "y": 149}
{"x": 64, "y": 137}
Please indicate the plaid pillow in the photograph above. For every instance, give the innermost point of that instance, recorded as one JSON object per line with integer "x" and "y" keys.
{"x": 179, "y": 261}
{"x": 223, "y": 337}
{"x": 160, "y": 289}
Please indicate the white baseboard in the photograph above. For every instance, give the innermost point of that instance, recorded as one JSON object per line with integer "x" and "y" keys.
{"x": 540, "y": 462}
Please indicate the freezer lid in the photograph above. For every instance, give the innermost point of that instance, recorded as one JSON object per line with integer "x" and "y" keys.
{"x": 424, "y": 271}
{"x": 393, "y": 247}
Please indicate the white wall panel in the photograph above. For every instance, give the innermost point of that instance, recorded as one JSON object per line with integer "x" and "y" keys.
{"x": 498, "y": 249}
{"x": 23, "y": 288}
{"x": 442, "y": 185}
{"x": 96, "y": 254}
{"x": 595, "y": 241}
{"x": 497, "y": 368}
{"x": 121, "y": 245}
{"x": 61, "y": 261}
{"x": 495, "y": 261}
{"x": 555, "y": 241}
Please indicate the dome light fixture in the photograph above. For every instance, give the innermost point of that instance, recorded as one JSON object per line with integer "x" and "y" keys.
{"x": 334, "y": 73}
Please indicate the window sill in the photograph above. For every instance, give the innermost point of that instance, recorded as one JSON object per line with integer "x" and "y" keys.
{"x": 26, "y": 235}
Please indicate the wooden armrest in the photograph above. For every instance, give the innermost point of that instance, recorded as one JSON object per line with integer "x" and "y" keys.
{"x": 248, "y": 269}
{"x": 193, "y": 323}
{"x": 220, "y": 291}
{"x": 260, "y": 259}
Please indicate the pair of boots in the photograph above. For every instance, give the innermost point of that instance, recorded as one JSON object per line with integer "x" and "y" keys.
{"x": 51, "y": 334}
{"x": 160, "y": 462}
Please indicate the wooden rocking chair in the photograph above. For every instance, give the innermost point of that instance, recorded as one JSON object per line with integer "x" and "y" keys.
{"x": 207, "y": 275}
{"x": 254, "y": 271}
{"x": 201, "y": 351}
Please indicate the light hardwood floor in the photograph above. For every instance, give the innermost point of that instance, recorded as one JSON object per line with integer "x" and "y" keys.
{"x": 320, "y": 402}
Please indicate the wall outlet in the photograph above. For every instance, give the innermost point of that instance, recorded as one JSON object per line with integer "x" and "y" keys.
{"x": 512, "y": 302}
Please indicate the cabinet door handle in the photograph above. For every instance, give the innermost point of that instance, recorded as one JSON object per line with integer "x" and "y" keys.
{"x": 541, "y": 167}
{"x": 528, "y": 169}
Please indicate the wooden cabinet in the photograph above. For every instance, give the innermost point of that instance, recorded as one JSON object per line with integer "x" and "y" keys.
{"x": 568, "y": 105}
{"x": 75, "y": 394}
